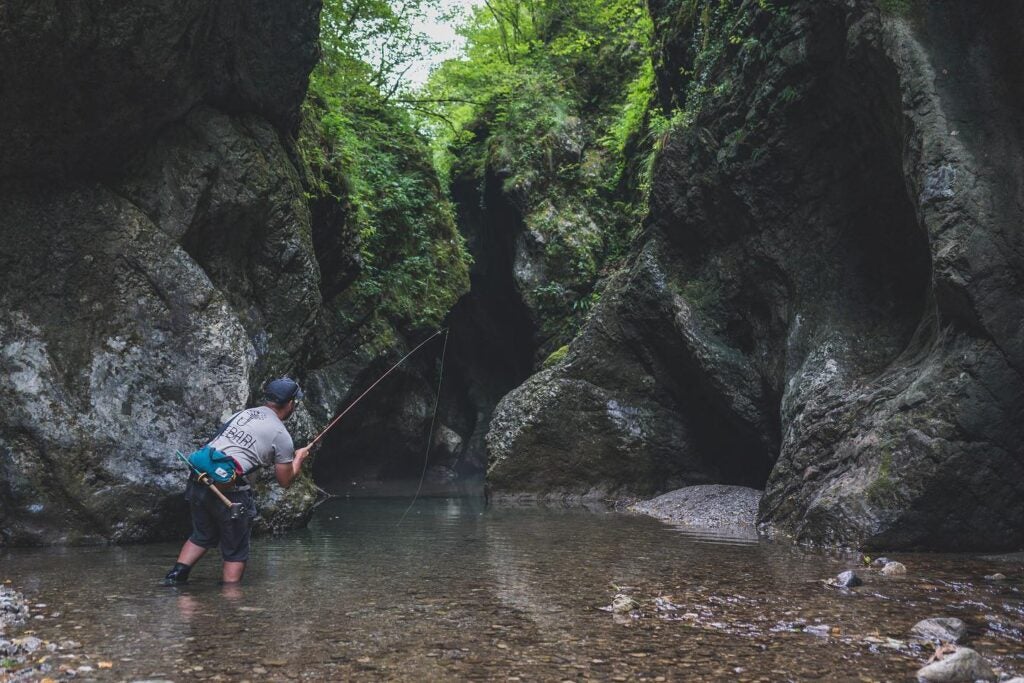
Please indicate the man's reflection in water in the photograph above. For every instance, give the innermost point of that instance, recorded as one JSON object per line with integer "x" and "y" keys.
{"x": 231, "y": 591}
{"x": 188, "y": 607}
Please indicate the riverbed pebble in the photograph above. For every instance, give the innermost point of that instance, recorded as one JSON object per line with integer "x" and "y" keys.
{"x": 847, "y": 579}
{"x": 13, "y": 608}
{"x": 622, "y": 603}
{"x": 995, "y": 577}
{"x": 894, "y": 569}
{"x": 28, "y": 644}
{"x": 817, "y": 630}
{"x": 964, "y": 665}
{"x": 940, "y": 629}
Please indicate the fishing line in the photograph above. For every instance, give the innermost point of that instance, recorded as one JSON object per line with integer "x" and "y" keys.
{"x": 327, "y": 497}
{"x": 379, "y": 380}
{"x": 430, "y": 434}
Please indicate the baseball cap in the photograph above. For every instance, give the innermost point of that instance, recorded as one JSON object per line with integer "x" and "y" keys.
{"x": 282, "y": 390}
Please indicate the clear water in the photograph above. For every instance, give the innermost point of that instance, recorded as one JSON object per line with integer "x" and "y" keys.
{"x": 457, "y": 592}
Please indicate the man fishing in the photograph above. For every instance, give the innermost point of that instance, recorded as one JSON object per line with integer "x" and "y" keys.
{"x": 253, "y": 438}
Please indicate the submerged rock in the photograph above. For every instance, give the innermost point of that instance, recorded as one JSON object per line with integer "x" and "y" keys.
{"x": 940, "y": 629}
{"x": 28, "y": 644}
{"x": 963, "y": 666}
{"x": 847, "y": 579}
{"x": 894, "y": 569}
{"x": 622, "y": 604}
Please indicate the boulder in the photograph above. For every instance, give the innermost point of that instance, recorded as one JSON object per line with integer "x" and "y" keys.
{"x": 894, "y": 569}
{"x": 963, "y": 666}
{"x": 940, "y": 630}
{"x": 158, "y": 251}
{"x": 847, "y": 579}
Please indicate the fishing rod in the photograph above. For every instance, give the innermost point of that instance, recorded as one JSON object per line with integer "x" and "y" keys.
{"x": 443, "y": 330}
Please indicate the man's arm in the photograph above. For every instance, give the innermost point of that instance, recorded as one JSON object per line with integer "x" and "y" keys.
{"x": 287, "y": 472}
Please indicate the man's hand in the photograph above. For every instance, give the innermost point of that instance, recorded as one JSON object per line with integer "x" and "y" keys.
{"x": 287, "y": 472}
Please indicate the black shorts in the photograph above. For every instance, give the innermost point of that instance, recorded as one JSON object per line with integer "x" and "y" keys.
{"x": 212, "y": 525}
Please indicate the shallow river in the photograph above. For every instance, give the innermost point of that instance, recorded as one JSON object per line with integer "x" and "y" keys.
{"x": 456, "y": 592}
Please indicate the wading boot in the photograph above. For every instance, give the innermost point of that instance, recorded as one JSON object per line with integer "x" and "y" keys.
{"x": 178, "y": 574}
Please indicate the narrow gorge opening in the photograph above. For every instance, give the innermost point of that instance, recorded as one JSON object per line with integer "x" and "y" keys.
{"x": 382, "y": 445}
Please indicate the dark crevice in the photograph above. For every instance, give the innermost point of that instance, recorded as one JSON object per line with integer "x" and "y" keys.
{"x": 493, "y": 337}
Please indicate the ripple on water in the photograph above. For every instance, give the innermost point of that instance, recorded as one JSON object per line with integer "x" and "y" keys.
{"x": 457, "y": 591}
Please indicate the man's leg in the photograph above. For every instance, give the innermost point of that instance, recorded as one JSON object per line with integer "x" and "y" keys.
{"x": 233, "y": 571}
{"x": 191, "y": 553}
{"x": 204, "y": 535}
{"x": 234, "y": 539}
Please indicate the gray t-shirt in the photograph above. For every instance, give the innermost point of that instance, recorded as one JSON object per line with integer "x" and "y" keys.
{"x": 256, "y": 437}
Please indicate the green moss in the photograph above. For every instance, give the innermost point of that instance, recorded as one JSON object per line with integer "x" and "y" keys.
{"x": 556, "y": 356}
{"x": 701, "y": 294}
{"x": 900, "y": 8}
{"x": 882, "y": 492}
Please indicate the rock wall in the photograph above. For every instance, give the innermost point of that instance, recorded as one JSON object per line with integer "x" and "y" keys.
{"x": 825, "y": 300}
{"x": 157, "y": 251}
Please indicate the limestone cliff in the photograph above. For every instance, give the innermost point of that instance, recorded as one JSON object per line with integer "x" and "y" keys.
{"x": 826, "y": 297}
{"x": 157, "y": 253}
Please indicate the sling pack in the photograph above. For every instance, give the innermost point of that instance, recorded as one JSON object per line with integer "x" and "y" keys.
{"x": 221, "y": 468}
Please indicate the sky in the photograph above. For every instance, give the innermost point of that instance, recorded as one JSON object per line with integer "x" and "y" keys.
{"x": 443, "y": 33}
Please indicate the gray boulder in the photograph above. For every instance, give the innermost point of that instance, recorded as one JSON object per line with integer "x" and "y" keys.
{"x": 157, "y": 253}
{"x": 894, "y": 569}
{"x": 847, "y": 579}
{"x": 940, "y": 630}
{"x": 963, "y": 666}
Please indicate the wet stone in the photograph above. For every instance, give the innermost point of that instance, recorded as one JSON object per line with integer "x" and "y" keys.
{"x": 848, "y": 579}
{"x": 940, "y": 629}
{"x": 996, "y": 577}
{"x": 894, "y": 569}
{"x": 29, "y": 644}
{"x": 963, "y": 665}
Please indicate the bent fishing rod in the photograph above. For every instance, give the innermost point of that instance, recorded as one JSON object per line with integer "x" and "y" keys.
{"x": 443, "y": 330}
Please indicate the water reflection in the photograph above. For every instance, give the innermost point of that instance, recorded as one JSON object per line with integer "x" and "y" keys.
{"x": 454, "y": 591}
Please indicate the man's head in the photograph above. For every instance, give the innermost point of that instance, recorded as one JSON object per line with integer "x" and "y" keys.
{"x": 281, "y": 395}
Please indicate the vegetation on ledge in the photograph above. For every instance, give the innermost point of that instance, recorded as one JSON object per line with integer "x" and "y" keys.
{"x": 369, "y": 164}
{"x": 552, "y": 99}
